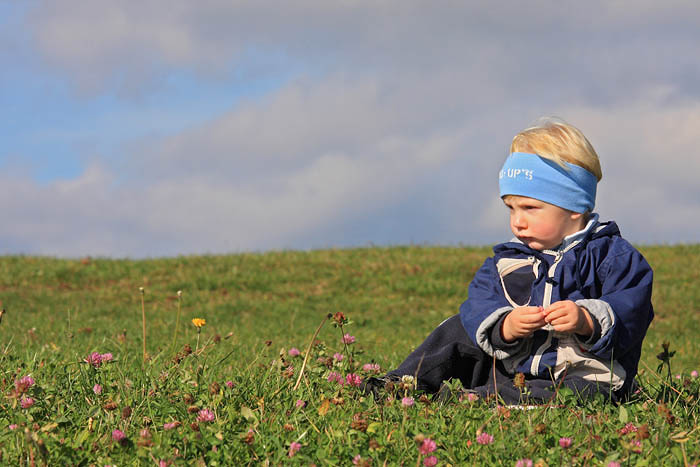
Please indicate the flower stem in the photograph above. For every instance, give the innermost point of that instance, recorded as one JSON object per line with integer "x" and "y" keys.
{"x": 345, "y": 345}
{"x": 143, "y": 320}
{"x": 308, "y": 351}
{"x": 177, "y": 320}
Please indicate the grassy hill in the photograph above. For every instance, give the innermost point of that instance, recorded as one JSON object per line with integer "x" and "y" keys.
{"x": 256, "y": 305}
{"x": 394, "y": 295}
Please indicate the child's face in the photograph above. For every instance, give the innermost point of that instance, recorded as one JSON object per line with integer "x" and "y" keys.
{"x": 541, "y": 225}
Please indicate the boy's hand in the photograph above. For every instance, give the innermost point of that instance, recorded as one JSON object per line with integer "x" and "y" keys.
{"x": 522, "y": 322}
{"x": 566, "y": 316}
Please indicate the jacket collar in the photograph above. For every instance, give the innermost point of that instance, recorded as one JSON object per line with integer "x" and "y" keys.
{"x": 594, "y": 228}
{"x": 578, "y": 236}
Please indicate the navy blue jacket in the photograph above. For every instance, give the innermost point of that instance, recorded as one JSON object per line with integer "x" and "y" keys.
{"x": 597, "y": 269}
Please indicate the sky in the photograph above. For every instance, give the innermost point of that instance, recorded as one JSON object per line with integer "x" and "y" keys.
{"x": 162, "y": 128}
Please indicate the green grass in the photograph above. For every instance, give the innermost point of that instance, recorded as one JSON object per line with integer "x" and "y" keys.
{"x": 257, "y": 307}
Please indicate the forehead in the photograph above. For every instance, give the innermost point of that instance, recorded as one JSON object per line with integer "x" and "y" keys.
{"x": 522, "y": 202}
{"x": 517, "y": 200}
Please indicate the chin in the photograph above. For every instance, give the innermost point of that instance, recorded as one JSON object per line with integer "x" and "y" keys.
{"x": 534, "y": 244}
{"x": 531, "y": 242}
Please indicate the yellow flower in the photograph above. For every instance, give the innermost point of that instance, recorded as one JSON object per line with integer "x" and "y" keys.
{"x": 199, "y": 322}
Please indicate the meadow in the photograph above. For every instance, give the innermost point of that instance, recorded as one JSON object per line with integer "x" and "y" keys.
{"x": 254, "y": 359}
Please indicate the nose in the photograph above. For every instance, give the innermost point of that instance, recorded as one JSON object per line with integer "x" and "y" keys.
{"x": 517, "y": 220}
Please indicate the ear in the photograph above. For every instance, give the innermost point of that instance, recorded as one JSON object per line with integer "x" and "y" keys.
{"x": 578, "y": 216}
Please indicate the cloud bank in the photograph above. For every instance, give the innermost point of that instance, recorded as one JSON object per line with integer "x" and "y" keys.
{"x": 386, "y": 123}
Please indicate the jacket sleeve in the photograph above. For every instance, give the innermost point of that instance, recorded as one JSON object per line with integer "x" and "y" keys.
{"x": 484, "y": 308}
{"x": 624, "y": 308}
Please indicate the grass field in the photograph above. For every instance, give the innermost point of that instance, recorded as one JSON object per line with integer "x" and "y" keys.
{"x": 227, "y": 395}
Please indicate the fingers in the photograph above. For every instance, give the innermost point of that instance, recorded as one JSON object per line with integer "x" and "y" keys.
{"x": 561, "y": 305}
{"x": 562, "y": 325}
{"x": 557, "y": 306}
{"x": 525, "y": 320}
{"x": 554, "y": 315}
{"x": 529, "y": 315}
{"x": 532, "y": 319}
{"x": 562, "y": 315}
{"x": 561, "y": 322}
{"x": 559, "y": 309}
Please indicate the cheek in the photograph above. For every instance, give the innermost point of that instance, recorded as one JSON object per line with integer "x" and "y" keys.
{"x": 547, "y": 229}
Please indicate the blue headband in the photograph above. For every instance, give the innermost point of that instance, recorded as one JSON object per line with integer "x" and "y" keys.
{"x": 530, "y": 175}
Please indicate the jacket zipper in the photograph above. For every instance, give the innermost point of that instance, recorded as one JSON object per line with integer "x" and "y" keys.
{"x": 546, "y": 301}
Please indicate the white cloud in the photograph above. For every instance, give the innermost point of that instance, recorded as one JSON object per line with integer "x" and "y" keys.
{"x": 132, "y": 43}
{"x": 648, "y": 151}
{"x": 267, "y": 175}
{"x": 398, "y": 114}
{"x": 230, "y": 187}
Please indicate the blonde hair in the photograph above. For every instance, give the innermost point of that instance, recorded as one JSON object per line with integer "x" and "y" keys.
{"x": 560, "y": 142}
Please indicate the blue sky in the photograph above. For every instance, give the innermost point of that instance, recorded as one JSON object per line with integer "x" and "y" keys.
{"x": 141, "y": 129}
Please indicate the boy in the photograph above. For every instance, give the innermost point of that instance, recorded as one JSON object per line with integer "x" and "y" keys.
{"x": 566, "y": 303}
